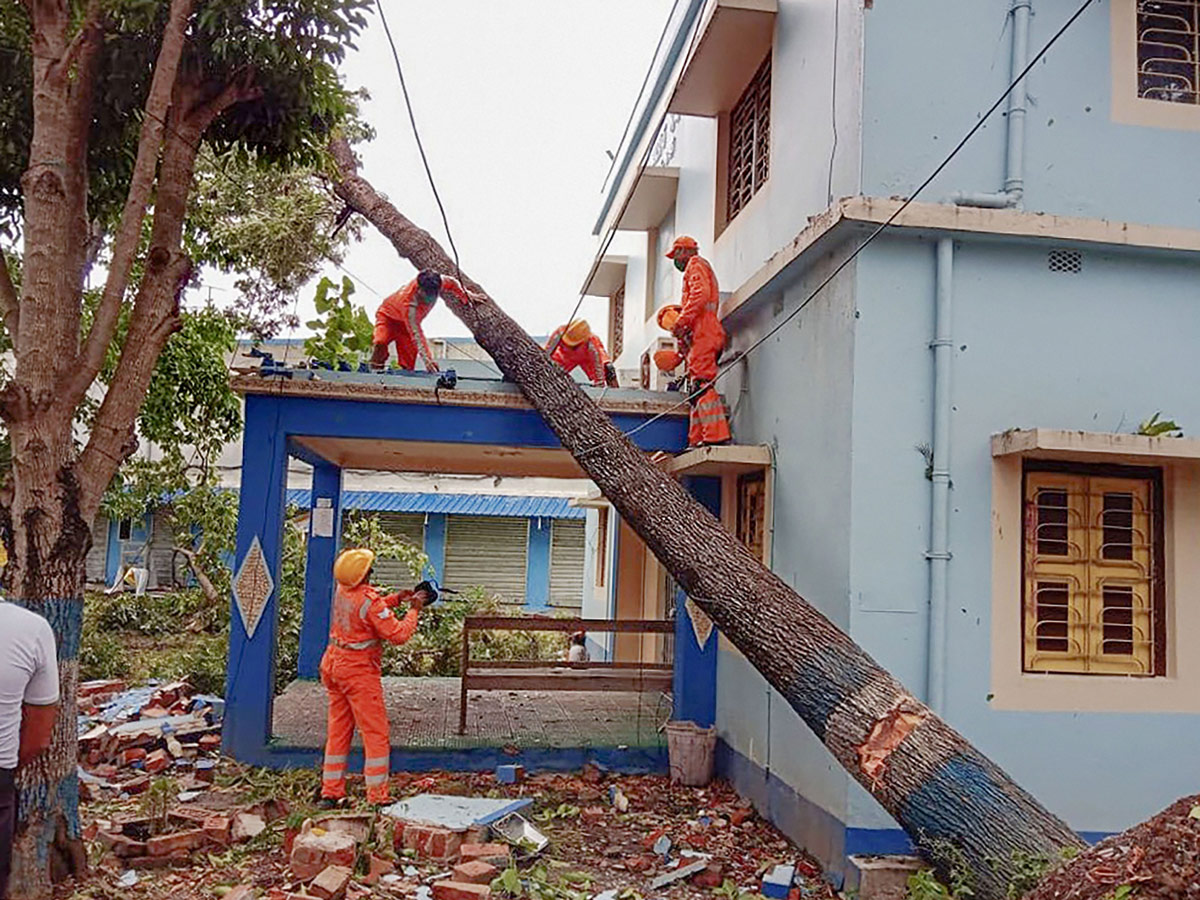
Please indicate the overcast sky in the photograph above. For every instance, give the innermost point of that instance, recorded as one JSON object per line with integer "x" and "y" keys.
{"x": 517, "y": 101}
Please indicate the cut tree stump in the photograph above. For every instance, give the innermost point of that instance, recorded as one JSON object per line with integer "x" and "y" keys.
{"x": 958, "y": 806}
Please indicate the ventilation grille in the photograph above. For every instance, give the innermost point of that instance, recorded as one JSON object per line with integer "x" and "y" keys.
{"x": 1070, "y": 261}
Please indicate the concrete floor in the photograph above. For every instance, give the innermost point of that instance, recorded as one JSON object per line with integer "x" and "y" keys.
{"x": 424, "y": 713}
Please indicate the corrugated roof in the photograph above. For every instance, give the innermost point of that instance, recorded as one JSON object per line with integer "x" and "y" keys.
{"x": 449, "y": 504}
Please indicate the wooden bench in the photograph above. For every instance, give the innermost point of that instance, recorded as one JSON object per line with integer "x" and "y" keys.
{"x": 559, "y": 675}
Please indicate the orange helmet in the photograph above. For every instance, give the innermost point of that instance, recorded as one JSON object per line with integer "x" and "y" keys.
{"x": 577, "y": 333}
{"x": 665, "y": 360}
{"x": 668, "y": 315}
{"x": 683, "y": 242}
{"x": 352, "y": 566}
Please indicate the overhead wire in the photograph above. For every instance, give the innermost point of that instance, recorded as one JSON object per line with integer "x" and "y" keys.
{"x": 883, "y": 226}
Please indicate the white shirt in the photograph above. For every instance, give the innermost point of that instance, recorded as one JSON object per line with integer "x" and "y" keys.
{"x": 577, "y": 653}
{"x": 28, "y": 673}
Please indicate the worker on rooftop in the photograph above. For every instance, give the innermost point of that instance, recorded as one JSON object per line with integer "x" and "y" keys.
{"x": 697, "y": 327}
{"x": 350, "y": 671}
{"x": 398, "y": 320}
{"x": 574, "y": 345}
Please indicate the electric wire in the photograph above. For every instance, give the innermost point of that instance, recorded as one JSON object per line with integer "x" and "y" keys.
{"x": 883, "y": 226}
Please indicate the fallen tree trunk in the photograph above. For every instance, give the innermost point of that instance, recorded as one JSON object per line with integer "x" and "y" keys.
{"x": 956, "y": 804}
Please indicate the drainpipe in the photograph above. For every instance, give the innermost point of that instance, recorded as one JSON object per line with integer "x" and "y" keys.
{"x": 1018, "y": 101}
{"x": 939, "y": 530}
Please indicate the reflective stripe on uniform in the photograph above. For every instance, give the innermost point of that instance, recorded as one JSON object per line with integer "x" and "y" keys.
{"x": 356, "y": 645}
{"x": 375, "y": 780}
{"x": 375, "y": 762}
{"x": 364, "y": 609}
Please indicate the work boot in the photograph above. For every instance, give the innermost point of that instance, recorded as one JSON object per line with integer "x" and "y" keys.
{"x": 328, "y": 803}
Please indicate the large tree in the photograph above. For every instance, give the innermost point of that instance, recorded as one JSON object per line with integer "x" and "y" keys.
{"x": 107, "y": 105}
{"x": 966, "y": 814}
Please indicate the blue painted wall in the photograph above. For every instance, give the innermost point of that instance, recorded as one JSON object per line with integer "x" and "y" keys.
{"x": 435, "y": 544}
{"x": 537, "y": 565}
{"x": 914, "y": 111}
{"x": 318, "y": 570}
{"x": 694, "y": 685}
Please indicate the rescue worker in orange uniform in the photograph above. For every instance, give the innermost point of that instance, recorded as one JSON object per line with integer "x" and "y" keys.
{"x": 573, "y": 345}
{"x": 350, "y": 671}
{"x": 701, "y": 336}
{"x": 398, "y": 320}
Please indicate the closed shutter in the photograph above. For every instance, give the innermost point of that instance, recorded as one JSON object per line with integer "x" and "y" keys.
{"x": 161, "y": 552}
{"x": 391, "y": 573}
{"x": 488, "y": 552}
{"x": 566, "y": 564}
{"x": 97, "y": 558}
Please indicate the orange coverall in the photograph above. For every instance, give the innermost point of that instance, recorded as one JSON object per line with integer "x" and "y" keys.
{"x": 702, "y": 335}
{"x": 590, "y": 355}
{"x": 350, "y": 669}
{"x": 399, "y": 319}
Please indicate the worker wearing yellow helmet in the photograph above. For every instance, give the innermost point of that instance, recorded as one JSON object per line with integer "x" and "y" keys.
{"x": 350, "y": 670}
{"x": 574, "y": 345}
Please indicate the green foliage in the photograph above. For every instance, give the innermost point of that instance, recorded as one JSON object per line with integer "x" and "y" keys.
{"x": 1156, "y": 427}
{"x": 562, "y": 811}
{"x": 1028, "y": 870}
{"x": 538, "y": 884}
{"x": 730, "y": 891}
{"x": 950, "y": 859}
{"x": 289, "y": 49}
{"x": 342, "y": 332}
{"x": 1123, "y": 892}
{"x": 291, "y": 602}
{"x": 923, "y": 885}
{"x": 156, "y": 803}
{"x": 367, "y": 531}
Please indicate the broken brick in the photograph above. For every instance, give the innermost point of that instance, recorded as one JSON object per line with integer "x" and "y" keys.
{"x": 316, "y": 850}
{"x": 157, "y": 761}
{"x": 210, "y": 742}
{"x": 136, "y": 785}
{"x": 132, "y": 754}
{"x": 638, "y": 863}
{"x": 378, "y": 868}
{"x": 178, "y": 858}
{"x": 457, "y": 890}
{"x": 240, "y": 892}
{"x": 738, "y": 816}
{"x": 711, "y": 877}
{"x": 593, "y": 814}
{"x": 123, "y": 846}
{"x": 331, "y": 883}
{"x": 432, "y": 843}
{"x": 495, "y": 854}
{"x": 475, "y": 871}
{"x": 166, "y": 844}
{"x": 246, "y": 826}
{"x": 218, "y": 828}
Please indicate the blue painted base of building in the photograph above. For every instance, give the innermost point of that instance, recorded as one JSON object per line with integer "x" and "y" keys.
{"x": 818, "y": 831}
{"x": 621, "y": 760}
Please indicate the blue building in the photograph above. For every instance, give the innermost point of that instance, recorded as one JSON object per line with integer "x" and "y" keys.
{"x": 952, "y": 476}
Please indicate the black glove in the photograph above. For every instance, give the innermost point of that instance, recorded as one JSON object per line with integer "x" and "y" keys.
{"x": 610, "y": 375}
{"x": 428, "y": 590}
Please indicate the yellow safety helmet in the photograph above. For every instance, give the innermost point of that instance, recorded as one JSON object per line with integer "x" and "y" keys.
{"x": 668, "y": 316}
{"x": 352, "y": 566}
{"x": 577, "y": 333}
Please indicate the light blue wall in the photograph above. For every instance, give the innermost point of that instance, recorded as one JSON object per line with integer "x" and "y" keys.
{"x": 1097, "y": 351}
{"x": 537, "y": 565}
{"x": 796, "y": 396}
{"x": 933, "y": 66}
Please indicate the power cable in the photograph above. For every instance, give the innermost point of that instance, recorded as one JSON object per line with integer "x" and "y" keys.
{"x": 887, "y": 223}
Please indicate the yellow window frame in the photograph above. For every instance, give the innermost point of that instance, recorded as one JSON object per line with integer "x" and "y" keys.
{"x": 1091, "y": 573}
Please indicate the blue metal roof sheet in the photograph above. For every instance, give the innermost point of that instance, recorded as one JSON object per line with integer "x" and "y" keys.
{"x": 449, "y": 504}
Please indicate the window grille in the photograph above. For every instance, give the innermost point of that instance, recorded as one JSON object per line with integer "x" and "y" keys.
{"x": 751, "y": 512}
{"x": 1093, "y": 601}
{"x": 1070, "y": 261}
{"x": 1168, "y": 47}
{"x": 750, "y": 141}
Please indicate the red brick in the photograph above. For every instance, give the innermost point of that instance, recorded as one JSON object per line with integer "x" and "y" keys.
{"x": 105, "y": 686}
{"x": 218, "y": 828}
{"x": 122, "y": 846}
{"x": 331, "y": 883}
{"x": 135, "y": 786}
{"x": 166, "y": 844}
{"x": 475, "y": 871}
{"x": 132, "y": 754}
{"x": 191, "y": 816}
{"x": 738, "y": 816}
{"x": 593, "y": 814}
{"x": 457, "y": 890}
{"x": 713, "y": 876}
{"x": 104, "y": 770}
{"x": 178, "y": 858}
{"x": 241, "y": 892}
{"x": 638, "y": 863}
{"x": 153, "y": 712}
{"x": 432, "y": 843}
{"x": 312, "y": 853}
{"x": 496, "y": 854}
{"x": 157, "y": 761}
{"x": 210, "y": 742}
{"x": 379, "y": 868}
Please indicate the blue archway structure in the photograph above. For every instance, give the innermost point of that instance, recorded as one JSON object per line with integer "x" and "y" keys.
{"x": 389, "y": 422}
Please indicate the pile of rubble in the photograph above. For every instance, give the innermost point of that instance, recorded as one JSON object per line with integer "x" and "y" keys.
{"x": 126, "y": 737}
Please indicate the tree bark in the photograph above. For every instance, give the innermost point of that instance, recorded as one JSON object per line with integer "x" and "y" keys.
{"x": 956, "y": 804}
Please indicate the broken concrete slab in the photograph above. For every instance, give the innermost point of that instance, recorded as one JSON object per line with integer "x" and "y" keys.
{"x": 454, "y": 813}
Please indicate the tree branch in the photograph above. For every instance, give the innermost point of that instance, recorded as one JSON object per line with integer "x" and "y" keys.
{"x": 129, "y": 231}
{"x": 10, "y": 306}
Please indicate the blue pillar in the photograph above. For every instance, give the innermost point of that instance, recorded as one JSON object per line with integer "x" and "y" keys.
{"x": 435, "y": 544}
{"x": 537, "y": 566}
{"x": 112, "y": 556}
{"x": 695, "y": 676}
{"x": 250, "y": 670}
{"x": 324, "y": 538}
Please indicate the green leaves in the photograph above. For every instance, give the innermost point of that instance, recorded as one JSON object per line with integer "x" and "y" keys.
{"x": 343, "y": 333}
{"x": 1156, "y": 427}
